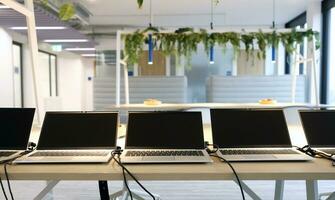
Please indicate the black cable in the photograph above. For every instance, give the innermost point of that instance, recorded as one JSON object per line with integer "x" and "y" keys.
{"x": 232, "y": 168}
{"x": 133, "y": 177}
{"x": 8, "y": 183}
{"x": 315, "y": 153}
{"x": 126, "y": 182}
{"x": 5, "y": 163}
{"x": 3, "y": 189}
{"x": 212, "y": 152}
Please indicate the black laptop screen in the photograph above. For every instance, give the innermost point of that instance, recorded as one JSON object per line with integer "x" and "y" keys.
{"x": 165, "y": 130}
{"x": 15, "y": 126}
{"x": 319, "y": 127}
{"x": 69, "y": 130}
{"x": 233, "y": 128}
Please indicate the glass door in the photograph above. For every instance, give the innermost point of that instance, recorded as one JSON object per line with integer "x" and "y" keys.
{"x": 17, "y": 74}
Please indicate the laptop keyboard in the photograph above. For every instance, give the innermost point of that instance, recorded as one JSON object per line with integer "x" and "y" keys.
{"x": 254, "y": 151}
{"x": 6, "y": 153}
{"x": 163, "y": 153}
{"x": 67, "y": 153}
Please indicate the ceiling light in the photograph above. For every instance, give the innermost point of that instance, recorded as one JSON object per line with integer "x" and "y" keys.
{"x": 40, "y": 28}
{"x": 3, "y": 6}
{"x": 80, "y": 49}
{"x": 88, "y": 55}
{"x": 65, "y": 40}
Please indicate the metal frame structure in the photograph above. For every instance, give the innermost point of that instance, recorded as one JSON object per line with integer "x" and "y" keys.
{"x": 28, "y": 10}
{"x": 296, "y": 62}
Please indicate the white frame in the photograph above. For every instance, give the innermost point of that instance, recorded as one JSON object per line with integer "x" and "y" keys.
{"x": 28, "y": 11}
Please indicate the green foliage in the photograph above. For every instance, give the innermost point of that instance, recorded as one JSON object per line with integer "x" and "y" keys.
{"x": 184, "y": 42}
{"x": 134, "y": 46}
{"x": 139, "y": 3}
{"x": 248, "y": 40}
{"x": 66, "y": 12}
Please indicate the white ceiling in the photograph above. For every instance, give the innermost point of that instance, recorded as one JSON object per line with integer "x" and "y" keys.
{"x": 179, "y": 13}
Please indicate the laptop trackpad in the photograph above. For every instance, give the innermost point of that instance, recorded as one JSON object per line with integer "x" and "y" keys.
{"x": 158, "y": 158}
{"x": 263, "y": 156}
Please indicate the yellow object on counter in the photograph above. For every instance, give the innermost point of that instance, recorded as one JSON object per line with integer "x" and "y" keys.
{"x": 267, "y": 101}
{"x": 152, "y": 102}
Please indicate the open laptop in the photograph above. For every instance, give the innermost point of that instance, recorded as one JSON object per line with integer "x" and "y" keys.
{"x": 319, "y": 127}
{"x": 165, "y": 137}
{"x": 75, "y": 137}
{"x": 15, "y": 126}
{"x": 253, "y": 135}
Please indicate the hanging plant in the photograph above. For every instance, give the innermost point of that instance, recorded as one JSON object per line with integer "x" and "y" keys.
{"x": 133, "y": 46}
{"x": 184, "y": 42}
{"x": 262, "y": 44}
{"x": 248, "y": 41}
{"x": 139, "y": 3}
{"x": 66, "y": 10}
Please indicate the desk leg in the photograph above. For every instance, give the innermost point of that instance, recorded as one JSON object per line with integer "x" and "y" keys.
{"x": 103, "y": 189}
{"x": 248, "y": 190}
{"x": 312, "y": 189}
{"x": 46, "y": 190}
{"x": 279, "y": 190}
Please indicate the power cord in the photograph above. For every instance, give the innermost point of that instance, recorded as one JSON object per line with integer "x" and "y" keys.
{"x": 315, "y": 153}
{"x": 3, "y": 189}
{"x": 125, "y": 180}
{"x": 212, "y": 152}
{"x": 8, "y": 183}
{"x": 31, "y": 147}
{"x": 118, "y": 152}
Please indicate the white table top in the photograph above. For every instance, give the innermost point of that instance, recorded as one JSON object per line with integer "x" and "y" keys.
{"x": 169, "y": 106}
{"x": 317, "y": 169}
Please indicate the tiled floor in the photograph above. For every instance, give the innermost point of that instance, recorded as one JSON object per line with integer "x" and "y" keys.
{"x": 174, "y": 190}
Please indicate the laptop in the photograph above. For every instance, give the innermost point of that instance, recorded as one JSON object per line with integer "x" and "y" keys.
{"x": 15, "y": 131}
{"x": 253, "y": 135}
{"x": 319, "y": 128}
{"x": 75, "y": 137}
{"x": 165, "y": 137}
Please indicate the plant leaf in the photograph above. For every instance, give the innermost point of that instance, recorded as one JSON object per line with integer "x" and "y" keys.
{"x": 139, "y": 3}
{"x": 66, "y": 12}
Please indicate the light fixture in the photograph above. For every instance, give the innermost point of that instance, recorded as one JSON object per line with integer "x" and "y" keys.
{"x": 3, "y": 6}
{"x": 40, "y": 28}
{"x": 211, "y": 55}
{"x": 211, "y": 50}
{"x": 65, "y": 40}
{"x": 274, "y": 27}
{"x": 150, "y": 45}
{"x": 151, "y": 52}
{"x": 80, "y": 49}
{"x": 88, "y": 55}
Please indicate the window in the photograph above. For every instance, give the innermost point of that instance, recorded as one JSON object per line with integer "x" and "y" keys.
{"x": 328, "y": 50}
{"x": 48, "y": 74}
{"x": 331, "y": 59}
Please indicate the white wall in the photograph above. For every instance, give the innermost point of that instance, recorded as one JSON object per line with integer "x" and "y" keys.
{"x": 75, "y": 91}
{"x": 6, "y": 70}
{"x": 73, "y": 87}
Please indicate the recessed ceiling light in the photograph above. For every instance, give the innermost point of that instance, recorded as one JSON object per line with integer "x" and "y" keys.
{"x": 65, "y": 40}
{"x": 80, "y": 49}
{"x": 3, "y": 6}
{"x": 88, "y": 55}
{"x": 40, "y": 28}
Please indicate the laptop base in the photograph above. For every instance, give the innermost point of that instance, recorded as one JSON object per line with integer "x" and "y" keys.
{"x": 30, "y": 158}
{"x": 165, "y": 159}
{"x": 297, "y": 156}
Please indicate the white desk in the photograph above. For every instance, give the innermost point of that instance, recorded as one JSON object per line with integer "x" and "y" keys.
{"x": 308, "y": 171}
{"x": 169, "y": 106}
